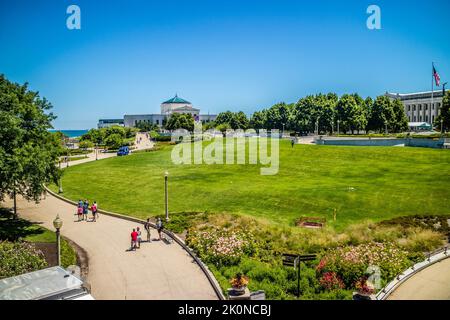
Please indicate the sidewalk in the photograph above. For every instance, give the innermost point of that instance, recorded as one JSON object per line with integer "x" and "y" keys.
{"x": 432, "y": 283}
{"x": 156, "y": 271}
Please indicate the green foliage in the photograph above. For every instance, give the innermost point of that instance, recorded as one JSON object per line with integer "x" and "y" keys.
{"x": 28, "y": 152}
{"x": 86, "y": 144}
{"x": 231, "y": 120}
{"x": 180, "y": 121}
{"x": 114, "y": 141}
{"x": 445, "y": 114}
{"x": 19, "y": 257}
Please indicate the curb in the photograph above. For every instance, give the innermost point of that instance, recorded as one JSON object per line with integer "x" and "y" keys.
{"x": 212, "y": 280}
{"x": 438, "y": 256}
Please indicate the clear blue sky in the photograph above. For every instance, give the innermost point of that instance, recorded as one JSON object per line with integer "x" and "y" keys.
{"x": 237, "y": 55}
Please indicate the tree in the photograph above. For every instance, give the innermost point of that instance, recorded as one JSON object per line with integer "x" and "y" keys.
{"x": 400, "y": 122}
{"x": 180, "y": 121}
{"x": 28, "y": 151}
{"x": 258, "y": 120}
{"x": 381, "y": 114}
{"x": 86, "y": 144}
{"x": 351, "y": 113}
{"x": 114, "y": 141}
{"x": 445, "y": 114}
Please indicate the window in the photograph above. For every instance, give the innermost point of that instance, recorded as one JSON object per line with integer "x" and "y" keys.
{"x": 414, "y": 107}
{"x": 157, "y": 122}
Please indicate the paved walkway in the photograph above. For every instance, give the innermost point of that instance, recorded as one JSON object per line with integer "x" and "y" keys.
{"x": 432, "y": 283}
{"x": 156, "y": 271}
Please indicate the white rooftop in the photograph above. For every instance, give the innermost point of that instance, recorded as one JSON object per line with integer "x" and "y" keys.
{"x": 39, "y": 284}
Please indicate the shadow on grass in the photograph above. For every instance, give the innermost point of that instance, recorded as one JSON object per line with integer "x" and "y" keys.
{"x": 14, "y": 229}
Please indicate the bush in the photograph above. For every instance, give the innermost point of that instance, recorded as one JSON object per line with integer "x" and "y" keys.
{"x": 221, "y": 246}
{"x": 351, "y": 262}
{"x": 19, "y": 257}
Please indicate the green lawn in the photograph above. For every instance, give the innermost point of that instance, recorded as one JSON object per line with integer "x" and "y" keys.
{"x": 359, "y": 182}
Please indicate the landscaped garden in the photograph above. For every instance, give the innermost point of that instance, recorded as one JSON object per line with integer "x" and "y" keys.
{"x": 371, "y": 202}
{"x": 26, "y": 247}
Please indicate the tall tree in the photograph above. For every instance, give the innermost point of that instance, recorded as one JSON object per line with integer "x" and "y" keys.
{"x": 351, "y": 113}
{"x": 381, "y": 114}
{"x": 400, "y": 122}
{"x": 28, "y": 151}
{"x": 445, "y": 114}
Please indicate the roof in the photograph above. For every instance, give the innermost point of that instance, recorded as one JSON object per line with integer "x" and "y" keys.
{"x": 176, "y": 99}
{"x": 39, "y": 284}
{"x": 418, "y": 124}
{"x": 415, "y": 95}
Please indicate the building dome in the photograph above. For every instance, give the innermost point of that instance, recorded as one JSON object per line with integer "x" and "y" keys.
{"x": 176, "y": 100}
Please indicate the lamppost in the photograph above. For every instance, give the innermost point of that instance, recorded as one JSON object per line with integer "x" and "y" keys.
{"x": 166, "y": 176}
{"x": 442, "y": 126}
{"x": 317, "y": 126}
{"x": 385, "y": 128}
{"x": 338, "y": 122}
{"x": 57, "y": 223}
{"x": 96, "y": 151}
{"x": 60, "y": 189}
{"x": 282, "y": 134}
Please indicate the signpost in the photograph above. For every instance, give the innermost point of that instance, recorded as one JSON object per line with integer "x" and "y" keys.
{"x": 293, "y": 260}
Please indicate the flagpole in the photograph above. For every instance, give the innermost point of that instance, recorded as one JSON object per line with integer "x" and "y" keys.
{"x": 432, "y": 92}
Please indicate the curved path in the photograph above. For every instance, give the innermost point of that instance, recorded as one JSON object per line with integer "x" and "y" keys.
{"x": 432, "y": 283}
{"x": 155, "y": 271}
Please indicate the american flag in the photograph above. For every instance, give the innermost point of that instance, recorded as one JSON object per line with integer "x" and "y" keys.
{"x": 436, "y": 76}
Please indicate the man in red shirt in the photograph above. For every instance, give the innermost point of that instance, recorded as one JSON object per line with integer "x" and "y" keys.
{"x": 134, "y": 236}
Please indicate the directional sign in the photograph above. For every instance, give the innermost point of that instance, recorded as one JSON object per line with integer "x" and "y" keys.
{"x": 293, "y": 260}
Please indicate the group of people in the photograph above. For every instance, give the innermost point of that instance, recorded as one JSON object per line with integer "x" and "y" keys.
{"x": 83, "y": 211}
{"x": 136, "y": 234}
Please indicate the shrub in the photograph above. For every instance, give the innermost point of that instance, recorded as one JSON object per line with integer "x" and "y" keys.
{"x": 19, "y": 257}
{"x": 221, "y": 246}
{"x": 351, "y": 262}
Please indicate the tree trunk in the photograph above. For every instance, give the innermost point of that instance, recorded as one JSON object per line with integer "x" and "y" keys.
{"x": 15, "y": 205}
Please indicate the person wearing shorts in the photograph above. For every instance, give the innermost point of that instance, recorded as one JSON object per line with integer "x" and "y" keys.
{"x": 134, "y": 236}
{"x": 94, "y": 212}
{"x": 85, "y": 210}
{"x": 139, "y": 237}
{"x": 159, "y": 227}
{"x": 80, "y": 213}
{"x": 147, "y": 228}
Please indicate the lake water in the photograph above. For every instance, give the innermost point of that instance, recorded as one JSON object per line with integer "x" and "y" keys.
{"x": 72, "y": 133}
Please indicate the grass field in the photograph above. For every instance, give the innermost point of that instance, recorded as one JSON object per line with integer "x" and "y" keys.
{"x": 361, "y": 183}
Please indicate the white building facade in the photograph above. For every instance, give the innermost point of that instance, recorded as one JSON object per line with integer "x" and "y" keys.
{"x": 169, "y": 107}
{"x": 421, "y": 106}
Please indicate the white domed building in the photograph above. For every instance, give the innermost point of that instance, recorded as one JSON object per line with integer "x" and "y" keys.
{"x": 169, "y": 107}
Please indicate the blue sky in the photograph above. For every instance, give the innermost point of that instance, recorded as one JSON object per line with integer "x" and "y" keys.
{"x": 221, "y": 55}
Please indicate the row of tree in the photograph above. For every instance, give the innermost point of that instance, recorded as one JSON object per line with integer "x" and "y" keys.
{"x": 323, "y": 113}
{"x": 112, "y": 137}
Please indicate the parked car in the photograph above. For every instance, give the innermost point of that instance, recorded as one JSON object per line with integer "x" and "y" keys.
{"x": 123, "y": 151}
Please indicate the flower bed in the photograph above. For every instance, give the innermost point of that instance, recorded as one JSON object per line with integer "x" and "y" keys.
{"x": 350, "y": 263}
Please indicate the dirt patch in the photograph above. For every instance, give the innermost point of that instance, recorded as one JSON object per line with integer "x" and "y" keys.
{"x": 49, "y": 251}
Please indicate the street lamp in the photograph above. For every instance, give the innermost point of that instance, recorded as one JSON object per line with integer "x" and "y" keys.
{"x": 442, "y": 126}
{"x": 282, "y": 134}
{"x": 166, "y": 176}
{"x": 96, "y": 151}
{"x": 60, "y": 189}
{"x": 338, "y": 122}
{"x": 57, "y": 223}
{"x": 385, "y": 128}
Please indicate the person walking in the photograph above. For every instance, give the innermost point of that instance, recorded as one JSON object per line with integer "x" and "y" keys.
{"x": 85, "y": 210}
{"x": 94, "y": 212}
{"x": 147, "y": 228}
{"x": 292, "y": 142}
{"x": 80, "y": 213}
{"x": 134, "y": 236}
{"x": 159, "y": 227}
{"x": 139, "y": 237}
